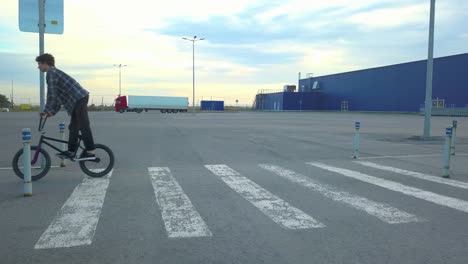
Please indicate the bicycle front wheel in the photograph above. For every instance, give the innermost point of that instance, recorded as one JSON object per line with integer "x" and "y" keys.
{"x": 102, "y": 165}
{"x": 38, "y": 170}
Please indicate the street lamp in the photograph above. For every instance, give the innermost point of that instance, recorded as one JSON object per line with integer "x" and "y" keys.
{"x": 12, "y": 101}
{"x": 429, "y": 72}
{"x": 120, "y": 76}
{"x": 193, "y": 68}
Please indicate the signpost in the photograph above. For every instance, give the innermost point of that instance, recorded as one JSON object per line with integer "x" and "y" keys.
{"x": 41, "y": 16}
{"x": 29, "y": 16}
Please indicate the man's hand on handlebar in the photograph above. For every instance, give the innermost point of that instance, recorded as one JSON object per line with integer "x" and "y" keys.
{"x": 46, "y": 114}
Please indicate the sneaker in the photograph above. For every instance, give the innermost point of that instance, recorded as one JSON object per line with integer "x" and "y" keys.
{"x": 86, "y": 156}
{"x": 66, "y": 155}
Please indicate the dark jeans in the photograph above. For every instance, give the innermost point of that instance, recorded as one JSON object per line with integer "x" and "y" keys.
{"x": 80, "y": 123}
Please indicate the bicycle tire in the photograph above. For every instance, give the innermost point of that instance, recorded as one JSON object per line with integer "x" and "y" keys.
{"x": 100, "y": 173}
{"x": 44, "y": 171}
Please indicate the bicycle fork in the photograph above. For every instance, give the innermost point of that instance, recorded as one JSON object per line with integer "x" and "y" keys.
{"x": 36, "y": 155}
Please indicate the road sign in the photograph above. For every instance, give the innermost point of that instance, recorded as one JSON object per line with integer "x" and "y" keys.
{"x": 29, "y": 16}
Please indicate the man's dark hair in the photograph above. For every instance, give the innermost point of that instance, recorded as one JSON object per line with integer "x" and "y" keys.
{"x": 46, "y": 58}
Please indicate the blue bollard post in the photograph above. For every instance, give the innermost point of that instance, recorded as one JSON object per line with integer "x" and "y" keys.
{"x": 26, "y": 133}
{"x": 448, "y": 143}
{"x": 454, "y": 135}
{"x": 357, "y": 126}
{"x": 62, "y": 134}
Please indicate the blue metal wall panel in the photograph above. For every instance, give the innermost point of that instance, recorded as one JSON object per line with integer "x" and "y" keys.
{"x": 398, "y": 87}
{"x": 212, "y": 105}
{"x": 270, "y": 102}
{"x": 381, "y": 89}
{"x": 451, "y": 80}
{"x": 289, "y": 101}
{"x": 302, "y": 101}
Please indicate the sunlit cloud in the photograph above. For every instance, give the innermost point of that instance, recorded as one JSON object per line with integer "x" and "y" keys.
{"x": 248, "y": 46}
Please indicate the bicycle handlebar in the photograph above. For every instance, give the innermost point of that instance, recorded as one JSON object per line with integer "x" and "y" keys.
{"x": 42, "y": 122}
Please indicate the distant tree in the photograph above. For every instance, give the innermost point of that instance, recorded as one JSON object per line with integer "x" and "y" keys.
{"x": 4, "y": 102}
{"x": 92, "y": 107}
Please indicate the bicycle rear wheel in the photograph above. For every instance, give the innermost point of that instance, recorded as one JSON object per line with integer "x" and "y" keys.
{"x": 102, "y": 165}
{"x": 38, "y": 170}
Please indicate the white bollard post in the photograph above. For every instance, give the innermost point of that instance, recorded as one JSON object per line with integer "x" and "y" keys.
{"x": 27, "y": 162}
{"x": 62, "y": 134}
{"x": 357, "y": 126}
{"x": 454, "y": 135}
{"x": 448, "y": 143}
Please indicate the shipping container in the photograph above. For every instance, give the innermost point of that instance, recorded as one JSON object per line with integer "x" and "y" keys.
{"x": 166, "y": 104}
{"x": 212, "y": 105}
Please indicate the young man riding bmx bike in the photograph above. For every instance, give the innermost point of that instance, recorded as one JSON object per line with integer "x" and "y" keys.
{"x": 64, "y": 90}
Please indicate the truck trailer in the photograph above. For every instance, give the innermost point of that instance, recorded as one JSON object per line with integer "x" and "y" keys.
{"x": 136, "y": 103}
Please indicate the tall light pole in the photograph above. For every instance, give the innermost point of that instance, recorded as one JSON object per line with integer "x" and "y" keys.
{"x": 41, "y": 51}
{"x": 193, "y": 68}
{"x": 12, "y": 102}
{"x": 120, "y": 76}
{"x": 299, "y": 83}
{"x": 428, "y": 100}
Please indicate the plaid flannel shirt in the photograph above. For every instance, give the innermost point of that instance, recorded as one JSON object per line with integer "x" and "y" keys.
{"x": 62, "y": 90}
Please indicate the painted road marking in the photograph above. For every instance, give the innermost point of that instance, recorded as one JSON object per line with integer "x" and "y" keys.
{"x": 76, "y": 222}
{"x": 382, "y": 211}
{"x": 410, "y": 156}
{"x": 459, "y": 184}
{"x": 451, "y": 202}
{"x": 10, "y": 168}
{"x": 271, "y": 205}
{"x": 179, "y": 215}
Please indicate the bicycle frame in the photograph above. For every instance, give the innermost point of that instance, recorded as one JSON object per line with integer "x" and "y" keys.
{"x": 43, "y": 140}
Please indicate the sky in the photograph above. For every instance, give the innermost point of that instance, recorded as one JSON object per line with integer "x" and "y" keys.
{"x": 249, "y": 45}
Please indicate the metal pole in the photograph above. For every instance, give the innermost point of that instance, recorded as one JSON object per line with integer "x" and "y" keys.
{"x": 27, "y": 188}
{"x": 299, "y": 83}
{"x": 428, "y": 101}
{"x": 357, "y": 126}
{"x": 41, "y": 51}
{"x": 120, "y": 79}
{"x": 62, "y": 134}
{"x": 193, "y": 76}
{"x": 12, "y": 96}
{"x": 454, "y": 135}
{"x": 120, "y": 76}
{"x": 193, "y": 69}
{"x": 448, "y": 143}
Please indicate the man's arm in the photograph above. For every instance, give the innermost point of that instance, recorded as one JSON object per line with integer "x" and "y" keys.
{"x": 53, "y": 105}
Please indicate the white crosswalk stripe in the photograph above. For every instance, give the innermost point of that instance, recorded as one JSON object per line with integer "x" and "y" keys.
{"x": 382, "y": 211}
{"x": 180, "y": 217}
{"x": 76, "y": 222}
{"x": 454, "y": 183}
{"x": 450, "y": 202}
{"x": 272, "y": 206}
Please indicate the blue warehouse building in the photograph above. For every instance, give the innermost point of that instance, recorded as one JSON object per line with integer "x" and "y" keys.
{"x": 396, "y": 88}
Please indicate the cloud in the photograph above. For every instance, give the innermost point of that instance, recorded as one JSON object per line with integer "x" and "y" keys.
{"x": 405, "y": 16}
{"x": 250, "y": 45}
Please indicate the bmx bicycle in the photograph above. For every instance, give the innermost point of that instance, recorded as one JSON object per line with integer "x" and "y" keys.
{"x": 41, "y": 162}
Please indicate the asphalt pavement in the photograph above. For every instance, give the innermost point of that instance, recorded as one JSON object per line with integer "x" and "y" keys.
{"x": 247, "y": 187}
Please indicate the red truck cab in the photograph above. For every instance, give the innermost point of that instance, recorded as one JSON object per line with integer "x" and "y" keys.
{"x": 121, "y": 104}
